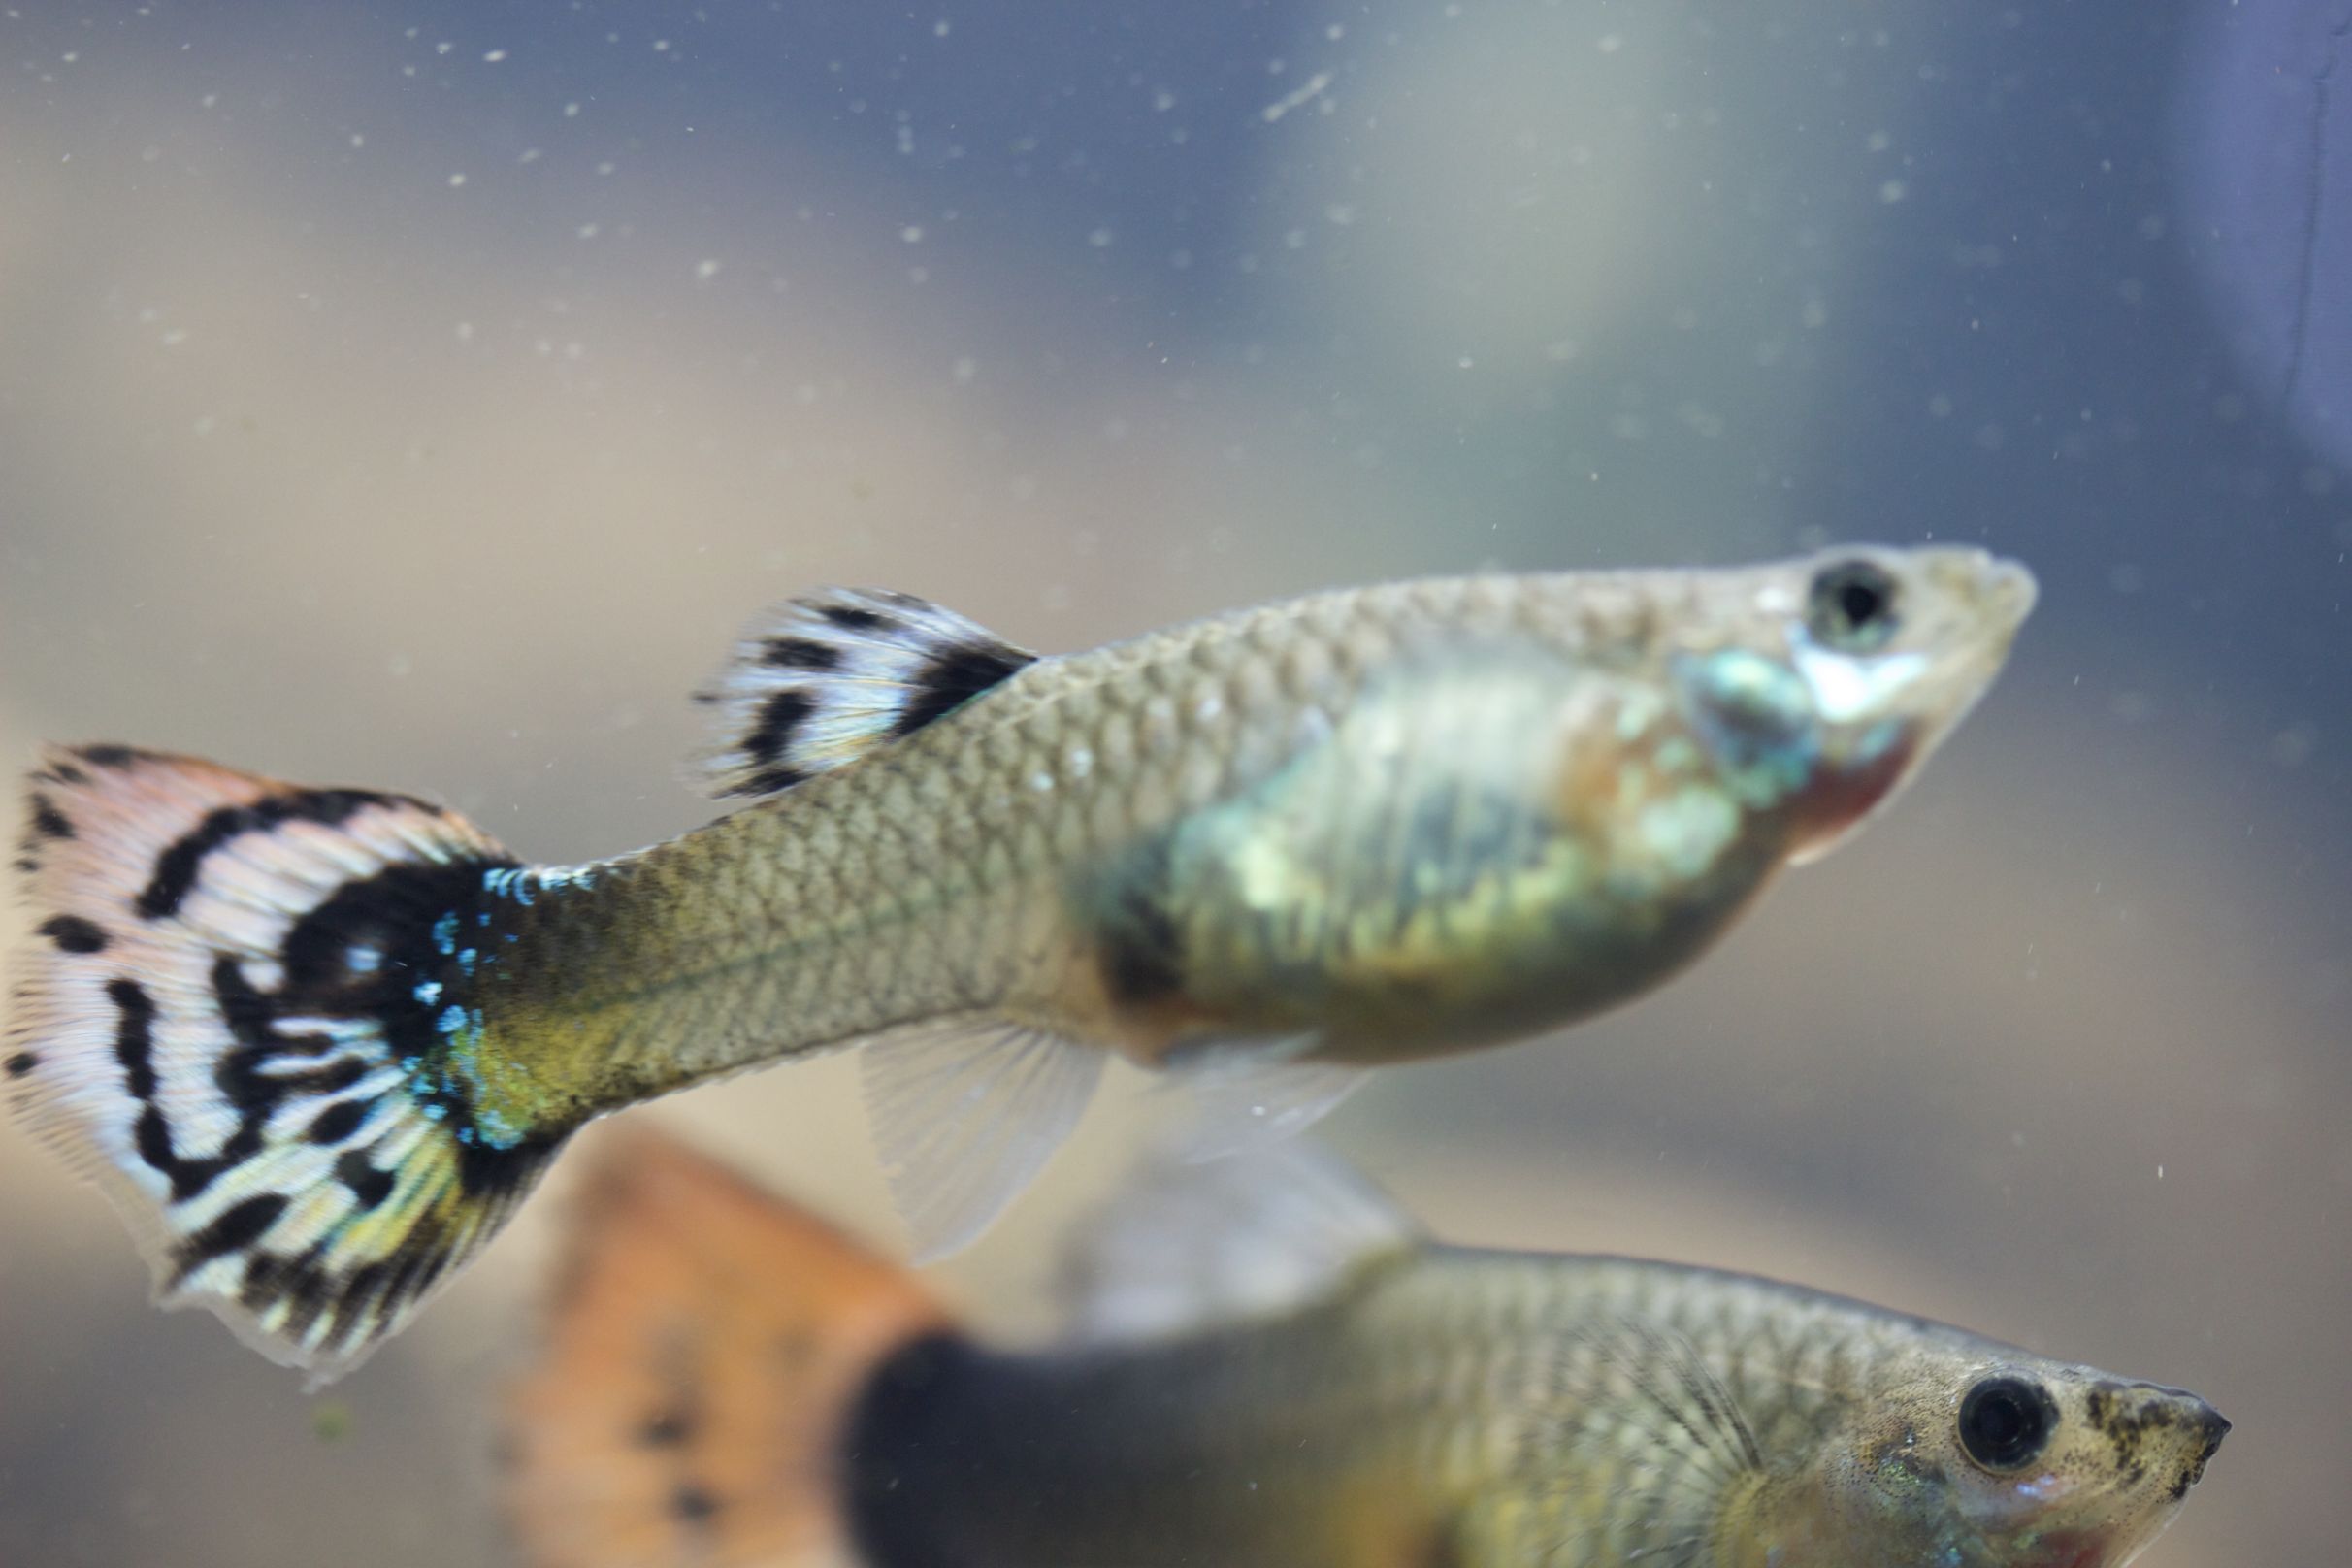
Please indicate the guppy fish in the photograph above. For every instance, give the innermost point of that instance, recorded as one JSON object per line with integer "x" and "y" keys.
{"x": 1269, "y": 1366}
{"x": 316, "y": 1043}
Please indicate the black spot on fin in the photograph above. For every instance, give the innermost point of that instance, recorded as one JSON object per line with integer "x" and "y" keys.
{"x": 953, "y": 679}
{"x": 827, "y": 677}
{"x": 179, "y": 868}
{"x": 48, "y": 822}
{"x": 74, "y": 934}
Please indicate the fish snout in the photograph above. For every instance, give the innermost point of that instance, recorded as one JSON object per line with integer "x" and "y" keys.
{"x": 2215, "y": 1427}
{"x": 1997, "y": 593}
{"x": 2155, "y": 1428}
{"x": 2207, "y": 1427}
{"x": 2007, "y": 588}
{"x": 2193, "y": 1414}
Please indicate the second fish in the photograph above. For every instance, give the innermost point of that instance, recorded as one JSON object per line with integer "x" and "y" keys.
{"x": 316, "y": 1043}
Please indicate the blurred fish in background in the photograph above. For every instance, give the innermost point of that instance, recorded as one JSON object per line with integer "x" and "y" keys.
{"x": 407, "y": 395}
{"x": 2265, "y": 135}
{"x": 1269, "y": 1364}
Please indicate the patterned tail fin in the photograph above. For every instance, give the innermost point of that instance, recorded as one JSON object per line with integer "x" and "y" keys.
{"x": 706, "y": 1345}
{"x": 231, "y": 1021}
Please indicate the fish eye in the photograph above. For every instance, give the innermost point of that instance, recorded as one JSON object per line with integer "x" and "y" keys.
{"x": 1850, "y": 606}
{"x": 2006, "y": 1421}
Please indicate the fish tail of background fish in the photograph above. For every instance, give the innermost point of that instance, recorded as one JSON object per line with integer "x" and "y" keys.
{"x": 704, "y": 1350}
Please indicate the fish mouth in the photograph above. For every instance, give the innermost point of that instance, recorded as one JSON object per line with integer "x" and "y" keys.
{"x": 1999, "y": 594}
{"x": 2213, "y": 1427}
{"x": 2073, "y": 1551}
{"x": 2008, "y": 590}
{"x": 1990, "y": 597}
{"x": 1994, "y": 595}
{"x": 2216, "y": 1427}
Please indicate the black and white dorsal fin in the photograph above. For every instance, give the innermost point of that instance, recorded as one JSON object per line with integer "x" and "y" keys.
{"x": 825, "y": 679}
{"x": 229, "y": 1019}
{"x": 1185, "y": 1245}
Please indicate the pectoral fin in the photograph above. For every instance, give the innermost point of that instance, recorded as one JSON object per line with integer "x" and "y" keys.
{"x": 1643, "y": 1401}
{"x": 1184, "y": 1245}
{"x": 965, "y": 1113}
{"x": 1248, "y": 1101}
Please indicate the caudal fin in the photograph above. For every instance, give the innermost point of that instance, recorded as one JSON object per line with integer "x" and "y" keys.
{"x": 235, "y": 1019}
{"x": 706, "y": 1344}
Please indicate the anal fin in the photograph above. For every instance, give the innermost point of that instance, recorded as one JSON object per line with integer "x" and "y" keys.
{"x": 966, "y": 1111}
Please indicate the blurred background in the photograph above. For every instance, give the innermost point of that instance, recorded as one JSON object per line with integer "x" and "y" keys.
{"x": 420, "y": 395}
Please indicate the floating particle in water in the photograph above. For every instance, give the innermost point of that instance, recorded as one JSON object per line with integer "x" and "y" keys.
{"x": 330, "y": 1420}
{"x": 1308, "y": 90}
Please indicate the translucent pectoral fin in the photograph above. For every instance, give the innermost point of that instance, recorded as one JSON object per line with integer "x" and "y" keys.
{"x": 965, "y": 1113}
{"x": 1248, "y": 1101}
{"x": 1642, "y": 1403}
{"x": 1182, "y": 1245}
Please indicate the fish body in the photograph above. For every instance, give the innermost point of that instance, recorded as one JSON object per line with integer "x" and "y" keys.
{"x": 317, "y": 1042}
{"x": 1390, "y": 1401}
{"x": 1383, "y": 823}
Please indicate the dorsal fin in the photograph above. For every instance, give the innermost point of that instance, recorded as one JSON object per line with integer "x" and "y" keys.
{"x": 1187, "y": 1245}
{"x": 824, "y": 680}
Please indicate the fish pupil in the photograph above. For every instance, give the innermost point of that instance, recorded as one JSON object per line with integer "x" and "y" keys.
{"x": 1851, "y": 607}
{"x": 2005, "y": 1422}
{"x": 1860, "y": 601}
